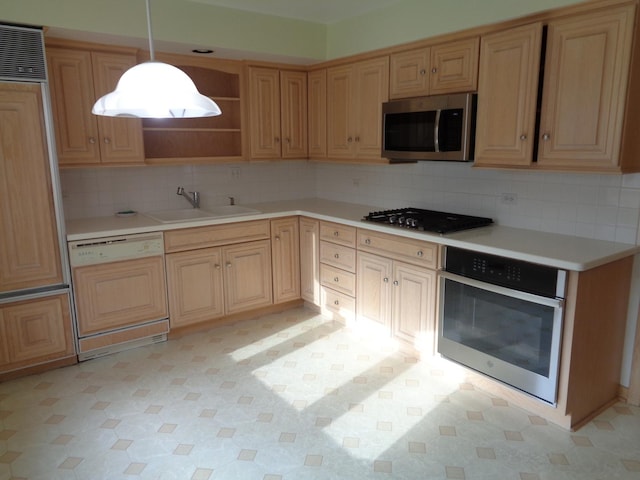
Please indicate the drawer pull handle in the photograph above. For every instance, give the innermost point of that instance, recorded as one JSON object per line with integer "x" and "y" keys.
{"x": 336, "y": 255}
{"x": 337, "y": 302}
{"x": 368, "y": 241}
{"x": 336, "y": 279}
{"x": 336, "y": 234}
{"x": 420, "y": 254}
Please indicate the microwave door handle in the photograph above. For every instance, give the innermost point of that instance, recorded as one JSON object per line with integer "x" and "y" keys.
{"x": 436, "y": 132}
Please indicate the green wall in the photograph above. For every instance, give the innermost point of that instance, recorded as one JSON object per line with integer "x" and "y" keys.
{"x": 197, "y": 24}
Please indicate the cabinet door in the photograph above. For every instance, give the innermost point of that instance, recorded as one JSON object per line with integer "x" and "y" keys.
{"x": 35, "y": 331}
{"x": 264, "y": 84}
{"x": 584, "y": 92}
{"x": 285, "y": 251}
{"x": 119, "y": 294}
{"x": 454, "y": 67}
{"x": 195, "y": 285}
{"x": 409, "y": 73}
{"x": 120, "y": 138}
{"x": 72, "y": 98}
{"x": 317, "y": 103}
{"x": 507, "y": 95}
{"x": 374, "y": 291}
{"x": 371, "y": 90}
{"x": 293, "y": 114}
{"x": 247, "y": 276}
{"x": 29, "y": 251}
{"x": 414, "y": 306}
{"x": 340, "y": 112}
{"x": 310, "y": 260}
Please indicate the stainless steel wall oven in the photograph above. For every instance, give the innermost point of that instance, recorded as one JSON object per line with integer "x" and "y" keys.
{"x": 503, "y": 318}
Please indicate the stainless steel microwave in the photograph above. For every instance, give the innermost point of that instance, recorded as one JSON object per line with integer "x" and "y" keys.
{"x": 440, "y": 127}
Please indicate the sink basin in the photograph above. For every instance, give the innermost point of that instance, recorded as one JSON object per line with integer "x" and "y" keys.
{"x": 229, "y": 210}
{"x": 180, "y": 215}
{"x": 190, "y": 214}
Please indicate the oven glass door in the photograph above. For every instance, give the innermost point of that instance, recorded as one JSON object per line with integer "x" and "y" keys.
{"x": 509, "y": 335}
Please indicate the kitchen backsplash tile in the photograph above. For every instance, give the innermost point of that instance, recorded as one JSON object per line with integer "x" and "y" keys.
{"x": 589, "y": 205}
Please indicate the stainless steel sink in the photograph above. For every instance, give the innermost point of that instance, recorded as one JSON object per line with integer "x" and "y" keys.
{"x": 191, "y": 214}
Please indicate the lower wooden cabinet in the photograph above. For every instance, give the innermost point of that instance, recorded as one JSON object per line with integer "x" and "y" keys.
{"x": 309, "y": 260}
{"x": 208, "y": 283}
{"x": 35, "y": 331}
{"x": 397, "y": 298}
{"x": 285, "y": 255}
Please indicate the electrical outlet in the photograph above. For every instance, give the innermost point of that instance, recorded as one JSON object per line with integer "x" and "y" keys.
{"x": 235, "y": 173}
{"x": 509, "y": 198}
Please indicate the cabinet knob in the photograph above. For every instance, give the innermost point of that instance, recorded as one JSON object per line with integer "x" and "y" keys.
{"x": 434, "y": 70}
{"x": 385, "y": 280}
{"x": 336, "y": 255}
{"x": 395, "y": 282}
{"x": 228, "y": 265}
{"x": 336, "y": 279}
{"x": 277, "y": 237}
{"x": 92, "y": 140}
{"x": 546, "y": 137}
{"x": 523, "y": 137}
{"x": 420, "y": 253}
{"x": 423, "y": 72}
{"x": 277, "y": 140}
{"x": 336, "y": 234}
{"x": 337, "y": 302}
{"x": 368, "y": 241}
{"x": 288, "y": 140}
{"x": 107, "y": 140}
{"x": 357, "y": 139}
{"x": 349, "y": 139}
{"x": 217, "y": 266}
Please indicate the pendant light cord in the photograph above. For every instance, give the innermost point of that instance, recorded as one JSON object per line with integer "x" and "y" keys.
{"x": 151, "y": 51}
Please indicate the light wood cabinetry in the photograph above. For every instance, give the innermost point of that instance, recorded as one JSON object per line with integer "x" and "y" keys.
{"x": 119, "y": 294}
{"x": 35, "y": 331}
{"x": 200, "y": 140}
{"x": 446, "y": 68}
{"x": 584, "y": 93}
{"x": 317, "y": 105}
{"x": 278, "y": 113}
{"x": 29, "y": 252}
{"x": 394, "y": 296}
{"x": 355, "y": 94}
{"x": 310, "y": 260}
{"x": 285, "y": 254}
{"x": 219, "y": 270}
{"x": 78, "y": 77}
{"x": 337, "y": 276}
{"x": 507, "y": 96}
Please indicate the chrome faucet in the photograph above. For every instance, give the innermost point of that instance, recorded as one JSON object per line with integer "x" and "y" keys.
{"x": 192, "y": 197}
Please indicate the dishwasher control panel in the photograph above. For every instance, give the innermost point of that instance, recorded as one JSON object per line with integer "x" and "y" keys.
{"x": 114, "y": 249}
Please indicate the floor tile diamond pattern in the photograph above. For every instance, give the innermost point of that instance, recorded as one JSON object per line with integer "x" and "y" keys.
{"x": 289, "y": 396}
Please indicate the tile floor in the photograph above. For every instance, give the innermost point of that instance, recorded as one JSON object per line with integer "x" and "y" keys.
{"x": 289, "y": 396}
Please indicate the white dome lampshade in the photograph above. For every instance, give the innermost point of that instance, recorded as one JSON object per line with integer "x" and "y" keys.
{"x": 155, "y": 90}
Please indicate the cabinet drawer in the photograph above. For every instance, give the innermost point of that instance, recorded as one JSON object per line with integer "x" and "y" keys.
{"x": 338, "y": 305}
{"x": 337, "y": 233}
{"x": 338, "y": 256}
{"x": 337, "y": 279}
{"x": 408, "y": 250}
{"x": 215, "y": 235}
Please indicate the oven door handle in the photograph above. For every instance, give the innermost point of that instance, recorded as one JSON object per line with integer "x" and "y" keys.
{"x": 508, "y": 292}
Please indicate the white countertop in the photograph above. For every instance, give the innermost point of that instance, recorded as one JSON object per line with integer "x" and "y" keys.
{"x": 561, "y": 251}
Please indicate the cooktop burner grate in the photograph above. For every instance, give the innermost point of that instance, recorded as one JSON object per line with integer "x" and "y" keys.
{"x": 427, "y": 220}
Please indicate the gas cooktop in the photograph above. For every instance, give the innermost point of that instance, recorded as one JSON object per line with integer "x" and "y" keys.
{"x": 427, "y": 220}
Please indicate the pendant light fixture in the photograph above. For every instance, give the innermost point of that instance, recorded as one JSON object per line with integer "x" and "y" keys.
{"x": 155, "y": 90}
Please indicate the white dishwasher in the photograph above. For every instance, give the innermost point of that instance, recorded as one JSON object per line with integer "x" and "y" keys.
{"x": 120, "y": 293}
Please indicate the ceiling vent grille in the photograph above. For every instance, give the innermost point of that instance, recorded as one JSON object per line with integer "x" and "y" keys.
{"x": 22, "y": 54}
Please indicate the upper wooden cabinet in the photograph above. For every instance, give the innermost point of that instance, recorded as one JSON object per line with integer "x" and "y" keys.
{"x": 200, "y": 140}
{"x": 447, "y": 68}
{"x": 278, "y": 113}
{"x": 29, "y": 253}
{"x": 78, "y": 77}
{"x": 355, "y": 94}
{"x": 317, "y": 105}
{"x": 583, "y": 94}
{"x": 507, "y": 96}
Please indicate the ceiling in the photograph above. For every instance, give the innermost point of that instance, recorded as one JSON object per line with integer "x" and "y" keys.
{"x": 318, "y": 11}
